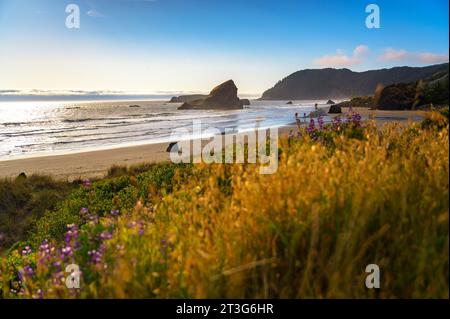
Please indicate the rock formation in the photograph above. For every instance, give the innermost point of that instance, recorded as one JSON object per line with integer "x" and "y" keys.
{"x": 400, "y": 96}
{"x": 186, "y": 98}
{"x": 223, "y": 96}
{"x": 335, "y": 109}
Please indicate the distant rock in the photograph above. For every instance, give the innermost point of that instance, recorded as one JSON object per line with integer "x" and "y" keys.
{"x": 335, "y": 109}
{"x": 290, "y": 102}
{"x": 223, "y": 96}
{"x": 135, "y": 105}
{"x": 400, "y": 96}
{"x": 245, "y": 101}
{"x": 330, "y": 102}
{"x": 187, "y": 98}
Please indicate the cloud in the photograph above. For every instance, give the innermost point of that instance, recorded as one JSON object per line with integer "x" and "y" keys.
{"x": 428, "y": 57}
{"x": 391, "y": 54}
{"x": 340, "y": 59}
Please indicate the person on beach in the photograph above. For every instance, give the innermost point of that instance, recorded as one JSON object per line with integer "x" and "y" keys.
{"x": 297, "y": 119}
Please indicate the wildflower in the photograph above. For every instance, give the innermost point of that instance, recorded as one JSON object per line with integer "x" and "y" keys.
{"x": 97, "y": 254}
{"x": 337, "y": 122}
{"x": 356, "y": 119}
{"x": 84, "y": 211}
{"x": 26, "y": 251}
{"x": 320, "y": 122}
{"x": 311, "y": 127}
{"x": 71, "y": 234}
{"x": 105, "y": 236}
{"x": 67, "y": 251}
{"x": 85, "y": 215}
{"x": 46, "y": 251}
{"x": 28, "y": 271}
{"x": 114, "y": 212}
{"x": 87, "y": 183}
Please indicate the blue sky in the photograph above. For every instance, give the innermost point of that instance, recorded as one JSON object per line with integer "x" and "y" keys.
{"x": 191, "y": 45}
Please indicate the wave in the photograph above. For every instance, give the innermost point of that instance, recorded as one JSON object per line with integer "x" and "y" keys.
{"x": 13, "y": 124}
{"x": 79, "y": 120}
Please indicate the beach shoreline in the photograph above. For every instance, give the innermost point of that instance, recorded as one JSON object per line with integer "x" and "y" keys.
{"x": 95, "y": 163}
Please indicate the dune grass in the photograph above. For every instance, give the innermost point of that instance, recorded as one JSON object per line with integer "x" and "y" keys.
{"x": 23, "y": 201}
{"x": 344, "y": 196}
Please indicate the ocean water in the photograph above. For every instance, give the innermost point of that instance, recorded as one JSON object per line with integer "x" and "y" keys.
{"x": 41, "y": 128}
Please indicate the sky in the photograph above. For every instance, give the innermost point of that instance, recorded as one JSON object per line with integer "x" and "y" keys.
{"x": 193, "y": 45}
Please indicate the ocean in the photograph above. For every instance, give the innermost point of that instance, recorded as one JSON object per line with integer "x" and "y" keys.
{"x": 35, "y": 128}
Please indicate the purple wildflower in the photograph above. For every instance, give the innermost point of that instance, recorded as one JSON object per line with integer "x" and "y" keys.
{"x": 105, "y": 236}
{"x": 114, "y": 212}
{"x": 71, "y": 234}
{"x": 28, "y": 271}
{"x": 97, "y": 254}
{"x": 26, "y": 251}
{"x": 57, "y": 265}
{"x": 67, "y": 251}
{"x": 46, "y": 251}
{"x": 356, "y": 119}
{"x": 337, "y": 122}
{"x": 311, "y": 129}
{"x": 87, "y": 183}
{"x": 320, "y": 122}
{"x": 85, "y": 215}
{"x": 84, "y": 211}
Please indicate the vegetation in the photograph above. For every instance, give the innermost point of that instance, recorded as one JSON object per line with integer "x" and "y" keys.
{"x": 436, "y": 92}
{"x": 361, "y": 101}
{"x": 25, "y": 200}
{"x": 345, "y": 195}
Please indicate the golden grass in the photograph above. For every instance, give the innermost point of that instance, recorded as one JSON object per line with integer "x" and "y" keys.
{"x": 307, "y": 231}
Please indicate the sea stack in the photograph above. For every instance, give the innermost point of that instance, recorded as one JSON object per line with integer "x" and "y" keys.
{"x": 223, "y": 96}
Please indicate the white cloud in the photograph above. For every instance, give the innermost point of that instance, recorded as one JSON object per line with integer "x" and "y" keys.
{"x": 340, "y": 59}
{"x": 405, "y": 56}
{"x": 428, "y": 57}
{"x": 393, "y": 55}
{"x": 361, "y": 51}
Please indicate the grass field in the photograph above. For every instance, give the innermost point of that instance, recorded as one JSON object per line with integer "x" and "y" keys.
{"x": 345, "y": 195}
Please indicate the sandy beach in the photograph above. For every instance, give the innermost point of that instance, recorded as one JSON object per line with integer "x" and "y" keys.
{"x": 95, "y": 164}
